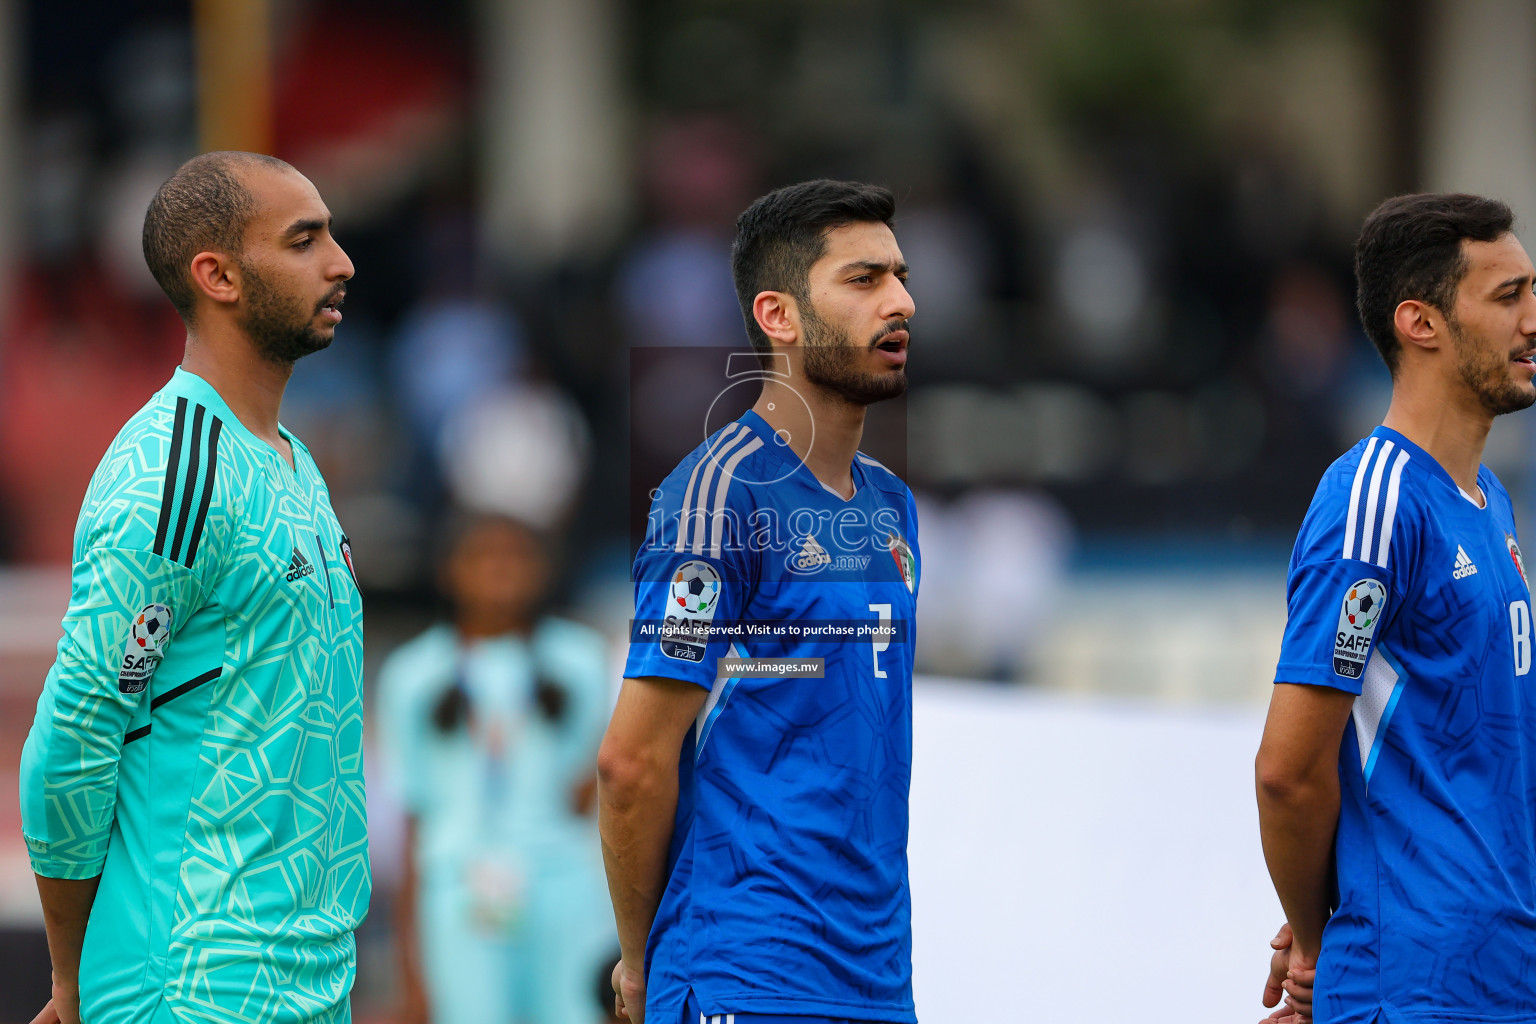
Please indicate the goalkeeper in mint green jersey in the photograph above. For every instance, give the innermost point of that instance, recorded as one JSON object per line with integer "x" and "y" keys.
{"x": 192, "y": 787}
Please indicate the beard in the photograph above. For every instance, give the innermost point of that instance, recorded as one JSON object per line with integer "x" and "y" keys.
{"x": 1488, "y": 377}
{"x": 280, "y": 326}
{"x": 830, "y": 357}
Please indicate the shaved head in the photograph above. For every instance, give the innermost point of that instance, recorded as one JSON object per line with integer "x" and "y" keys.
{"x": 203, "y": 207}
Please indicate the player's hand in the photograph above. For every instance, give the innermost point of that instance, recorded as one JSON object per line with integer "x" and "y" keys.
{"x": 1298, "y": 989}
{"x": 1279, "y": 963}
{"x": 63, "y": 1008}
{"x": 629, "y": 993}
{"x": 1291, "y": 976}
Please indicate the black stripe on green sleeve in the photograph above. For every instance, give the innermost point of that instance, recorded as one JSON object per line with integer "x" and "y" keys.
{"x": 188, "y": 489}
{"x": 168, "y": 493}
{"x": 202, "y": 508}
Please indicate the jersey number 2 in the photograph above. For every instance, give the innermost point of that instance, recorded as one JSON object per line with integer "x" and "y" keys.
{"x": 1520, "y": 628}
{"x": 884, "y": 611}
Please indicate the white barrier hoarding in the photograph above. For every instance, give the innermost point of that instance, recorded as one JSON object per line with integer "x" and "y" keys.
{"x": 1085, "y": 860}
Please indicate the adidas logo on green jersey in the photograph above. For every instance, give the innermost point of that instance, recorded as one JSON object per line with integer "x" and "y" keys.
{"x": 299, "y": 567}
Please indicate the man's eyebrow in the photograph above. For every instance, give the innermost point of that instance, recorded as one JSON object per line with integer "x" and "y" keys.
{"x": 1511, "y": 282}
{"x": 311, "y": 224}
{"x": 874, "y": 267}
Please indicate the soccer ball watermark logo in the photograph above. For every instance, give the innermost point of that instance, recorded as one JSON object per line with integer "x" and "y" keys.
{"x": 695, "y": 588}
{"x": 151, "y": 627}
{"x": 1363, "y": 605}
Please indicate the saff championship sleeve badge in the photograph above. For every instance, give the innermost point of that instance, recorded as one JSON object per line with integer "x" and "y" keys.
{"x": 1364, "y": 604}
{"x": 693, "y": 595}
{"x": 148, "y": 634}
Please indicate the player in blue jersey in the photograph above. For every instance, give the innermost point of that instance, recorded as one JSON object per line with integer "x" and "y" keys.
{"x": 1399, "y": 757}
{"x": 754, "y": 818}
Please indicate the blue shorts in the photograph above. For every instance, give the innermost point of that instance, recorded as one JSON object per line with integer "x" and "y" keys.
{"x": 693, "y": 1015}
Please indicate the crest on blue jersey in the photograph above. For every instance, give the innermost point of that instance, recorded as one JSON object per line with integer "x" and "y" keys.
{"x": 1514, "y": 553}
{"x": 1365, "y": 601}
{"x": 906, "y": 563}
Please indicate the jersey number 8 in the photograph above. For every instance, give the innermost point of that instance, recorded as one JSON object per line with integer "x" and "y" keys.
{"x": 1520, "y": 628}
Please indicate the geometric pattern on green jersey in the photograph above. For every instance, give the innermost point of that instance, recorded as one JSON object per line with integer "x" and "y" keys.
{"x": 223, "y": 806}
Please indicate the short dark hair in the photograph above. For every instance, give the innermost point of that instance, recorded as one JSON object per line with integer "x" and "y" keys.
{"x": 782, "y": 235}
{"x": 203, "y": 207}
{"x": 1410, "y": 248}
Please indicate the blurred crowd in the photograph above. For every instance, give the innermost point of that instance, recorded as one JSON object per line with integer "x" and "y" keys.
{"x": 1156, "y": 345}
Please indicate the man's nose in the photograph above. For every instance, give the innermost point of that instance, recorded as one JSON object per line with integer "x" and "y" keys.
{"x": 343, "y": 266}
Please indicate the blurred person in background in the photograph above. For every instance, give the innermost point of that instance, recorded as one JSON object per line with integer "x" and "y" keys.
{"x": 192, "y": 789}
{"x": 1396, "y": 768}
{"x": 491, "y": 724}
{"x": 674, "y": 284}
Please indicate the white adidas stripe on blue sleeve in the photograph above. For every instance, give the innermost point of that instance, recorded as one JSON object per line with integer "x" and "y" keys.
{"x": 695, "y": 503}
{"x": 1381, "y": 495}
{"x": 1354, "y": 499}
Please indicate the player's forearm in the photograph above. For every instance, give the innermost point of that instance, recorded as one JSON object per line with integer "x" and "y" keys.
{"x": 69, "y": 765}
{"x": 635, "y": 811}
{"x": 1298, "y": 817}
{"x": 66, "y": 909}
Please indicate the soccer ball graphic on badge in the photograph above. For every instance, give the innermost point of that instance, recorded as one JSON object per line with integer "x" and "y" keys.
{"x": 695, "y": 587}
{"x": 1363, "y": 604}
{"x": 151, "y": 627}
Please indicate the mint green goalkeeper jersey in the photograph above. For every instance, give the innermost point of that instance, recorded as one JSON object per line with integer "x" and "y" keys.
{"x": 199, "y": 740}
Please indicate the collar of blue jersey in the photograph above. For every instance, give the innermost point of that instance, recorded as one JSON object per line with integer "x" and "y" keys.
{"x": 783, "y": 453}
{"x": 186, "y": 384}
{"x": 1418, "y": 456}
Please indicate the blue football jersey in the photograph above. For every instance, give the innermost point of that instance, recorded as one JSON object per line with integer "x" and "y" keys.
{"x": 787, "y": 889}
{"x": 1406, "y": 593}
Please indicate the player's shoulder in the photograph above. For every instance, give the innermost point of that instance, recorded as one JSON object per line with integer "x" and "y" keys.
{"x": 724, "y": 467}
{"x": 707, "y": 502}
{"x": 1489, "y": 481}
{"x": 160, "y": 483}
{"x": 122, "y": 502}
{"x": 301, "y": 453}
{"x": 711, "y": 492}
{"x": 880, "y": 476}
{"x": 1375, "y": 491}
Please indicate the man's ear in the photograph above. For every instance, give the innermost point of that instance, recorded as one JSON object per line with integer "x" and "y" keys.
{"x": 216, "y": 276}
{"x": 1419, "y": 324}
{"x": 777, "y": 316}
